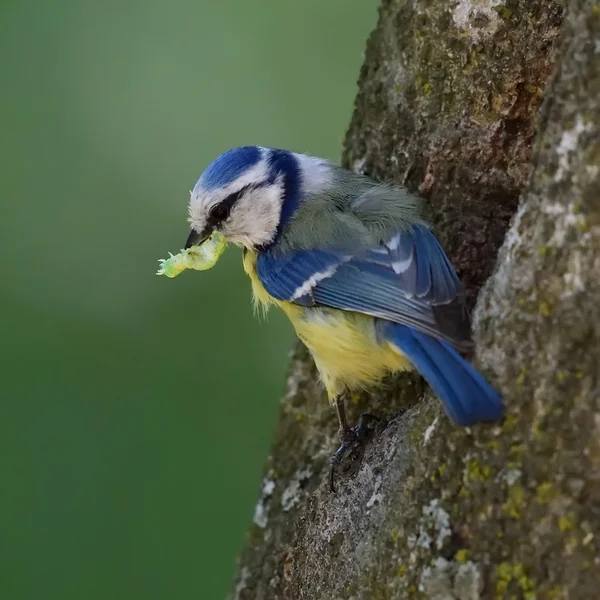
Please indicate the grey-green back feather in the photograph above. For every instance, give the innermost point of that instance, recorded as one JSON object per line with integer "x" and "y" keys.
{"x": 354, "y": 212}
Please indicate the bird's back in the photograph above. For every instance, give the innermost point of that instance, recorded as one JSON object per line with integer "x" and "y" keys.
{"x": 355, "y": 214}
{"x": 353, "y": 211}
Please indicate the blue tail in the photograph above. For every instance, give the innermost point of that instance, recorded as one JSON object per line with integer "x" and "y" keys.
{"x": 468, "y": 398}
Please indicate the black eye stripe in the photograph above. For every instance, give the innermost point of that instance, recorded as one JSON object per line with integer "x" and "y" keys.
{"x": 220, "y": 212}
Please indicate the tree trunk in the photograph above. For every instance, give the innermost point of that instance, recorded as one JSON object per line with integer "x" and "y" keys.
{"x": 447, "y": 106}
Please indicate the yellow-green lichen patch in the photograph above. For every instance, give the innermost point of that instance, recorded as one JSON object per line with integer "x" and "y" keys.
{"x": 544, "y": 309}
{"x": 507, "y": 574}
{"x": 503, "y": 11}
{"x": 493, "y": 445}
{"x": 515, "y": 502}
{"x": 464, "y": 492}
{"x": 566, "y": 522}
{"x": 474, "y": 471}
{"x": 545, "y": 493}
{"x": 510, "y": 421}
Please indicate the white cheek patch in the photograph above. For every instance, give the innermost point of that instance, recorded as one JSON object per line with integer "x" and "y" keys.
{"x": 255, "y": 216}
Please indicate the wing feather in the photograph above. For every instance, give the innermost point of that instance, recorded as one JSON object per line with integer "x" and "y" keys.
{"x": 407, "y": 279}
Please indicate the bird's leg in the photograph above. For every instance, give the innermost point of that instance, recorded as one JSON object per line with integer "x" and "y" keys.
{"x": 345, "y": 432}
{"x": 351, "y": 437}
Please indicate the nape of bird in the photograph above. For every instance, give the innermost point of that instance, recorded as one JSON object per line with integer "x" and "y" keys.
{"x": 357, "y": 269}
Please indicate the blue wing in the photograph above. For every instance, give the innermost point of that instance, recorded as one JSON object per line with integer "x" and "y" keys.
{"x": 407, "y": 279}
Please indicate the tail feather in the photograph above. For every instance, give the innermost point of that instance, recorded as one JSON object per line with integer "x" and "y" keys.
{"x": 467, "y": 397}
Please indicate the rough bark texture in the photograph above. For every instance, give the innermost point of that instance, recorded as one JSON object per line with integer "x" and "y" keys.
{"x": 447, "y": 105}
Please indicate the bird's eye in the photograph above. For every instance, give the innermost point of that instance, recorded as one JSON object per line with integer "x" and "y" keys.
{"x": 220, "y": 212}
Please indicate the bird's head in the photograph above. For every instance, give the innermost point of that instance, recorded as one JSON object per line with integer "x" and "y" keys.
{"x": 249, "y": 193}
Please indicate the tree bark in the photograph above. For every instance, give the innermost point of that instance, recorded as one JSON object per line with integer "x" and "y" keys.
{"x": 447, "y": 105}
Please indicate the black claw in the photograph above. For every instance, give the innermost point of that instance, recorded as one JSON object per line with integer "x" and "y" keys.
{"x": 352, "y": 438}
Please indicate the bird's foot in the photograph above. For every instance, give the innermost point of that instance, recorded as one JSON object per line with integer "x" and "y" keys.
{"x": 352, "y": 438}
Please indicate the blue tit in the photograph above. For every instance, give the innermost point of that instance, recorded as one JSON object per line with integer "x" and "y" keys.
{"x": 354, "y": 265}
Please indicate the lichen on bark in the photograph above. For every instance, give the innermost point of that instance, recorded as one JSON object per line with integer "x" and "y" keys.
{"x": 447, "y": 105}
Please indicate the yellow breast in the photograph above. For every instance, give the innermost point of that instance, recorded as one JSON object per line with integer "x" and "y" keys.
{"x": 344, "y": 344}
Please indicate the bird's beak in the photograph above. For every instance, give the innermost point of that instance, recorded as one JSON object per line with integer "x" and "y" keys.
{"x": 195, "y": 238}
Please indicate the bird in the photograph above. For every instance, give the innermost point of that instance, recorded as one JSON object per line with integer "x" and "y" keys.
{"x": 356, "y": 267}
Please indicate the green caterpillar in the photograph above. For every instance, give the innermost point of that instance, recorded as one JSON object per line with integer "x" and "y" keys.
{"x": 200, "y": 258}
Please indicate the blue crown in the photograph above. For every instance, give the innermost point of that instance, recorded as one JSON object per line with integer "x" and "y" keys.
{"x": 228, "y": 167}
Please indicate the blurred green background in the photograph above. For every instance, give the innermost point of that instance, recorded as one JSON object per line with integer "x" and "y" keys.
{"x": 137, "y": 411}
